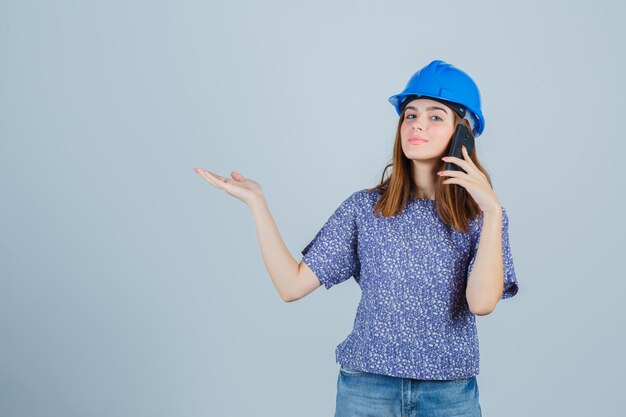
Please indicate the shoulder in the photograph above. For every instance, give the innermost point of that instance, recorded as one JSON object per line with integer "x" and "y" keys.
{"x": 358, "y": 202}
{"x": 368, "y": 194}
{"x": 362, "y": 197}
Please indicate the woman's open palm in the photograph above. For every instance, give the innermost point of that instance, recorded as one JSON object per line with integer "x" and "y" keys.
{"x": 239, "y": 187}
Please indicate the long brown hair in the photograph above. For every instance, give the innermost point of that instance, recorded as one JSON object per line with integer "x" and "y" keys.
{"x": 453, "y": 204}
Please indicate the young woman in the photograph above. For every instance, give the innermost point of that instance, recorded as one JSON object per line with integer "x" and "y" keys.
{"x": 412, "y": 245}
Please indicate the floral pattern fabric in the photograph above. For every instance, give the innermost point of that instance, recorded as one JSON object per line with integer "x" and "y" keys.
{"x": 412, "y": 320}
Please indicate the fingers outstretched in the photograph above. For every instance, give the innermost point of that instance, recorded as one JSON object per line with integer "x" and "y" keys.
{"x": 237, "y": 176}
{"x": 239, "y": 186}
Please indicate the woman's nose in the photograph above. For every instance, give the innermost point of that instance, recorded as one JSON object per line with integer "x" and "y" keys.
{"x": 418, "y": 123}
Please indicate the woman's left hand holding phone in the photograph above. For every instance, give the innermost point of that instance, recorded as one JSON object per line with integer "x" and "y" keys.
{"x": 474, "y": 181}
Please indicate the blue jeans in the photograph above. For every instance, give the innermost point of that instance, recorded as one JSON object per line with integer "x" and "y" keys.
{"x": 364, "y": 394}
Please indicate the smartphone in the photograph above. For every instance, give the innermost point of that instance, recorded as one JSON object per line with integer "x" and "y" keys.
{"x": 462, "y": 137}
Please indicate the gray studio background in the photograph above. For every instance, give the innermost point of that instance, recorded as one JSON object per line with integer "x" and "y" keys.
{"x": 130, "y": 286}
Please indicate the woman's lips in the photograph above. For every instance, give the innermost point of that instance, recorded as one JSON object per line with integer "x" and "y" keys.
{"x": 417, "y": 140}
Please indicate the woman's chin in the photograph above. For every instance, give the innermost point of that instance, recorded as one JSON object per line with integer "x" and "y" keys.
{"x": 422, "y": 156}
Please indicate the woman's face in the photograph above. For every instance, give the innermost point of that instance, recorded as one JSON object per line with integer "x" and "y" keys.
{"x": 426, "y": 130}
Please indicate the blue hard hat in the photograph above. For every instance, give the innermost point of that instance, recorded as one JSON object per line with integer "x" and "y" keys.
{"x": 445, "y": 82}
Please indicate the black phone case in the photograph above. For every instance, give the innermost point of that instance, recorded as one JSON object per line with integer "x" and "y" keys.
{"x": 461, "y": 137}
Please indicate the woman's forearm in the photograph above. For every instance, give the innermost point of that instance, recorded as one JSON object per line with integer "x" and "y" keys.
{"x": 486, "y": 281}
{"x": 280, "y": 264}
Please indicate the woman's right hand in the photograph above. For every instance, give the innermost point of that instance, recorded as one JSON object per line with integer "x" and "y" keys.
{"x": 239, "y": 187}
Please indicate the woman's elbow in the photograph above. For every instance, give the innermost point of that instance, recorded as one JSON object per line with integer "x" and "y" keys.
{"x": 482, "y": 311}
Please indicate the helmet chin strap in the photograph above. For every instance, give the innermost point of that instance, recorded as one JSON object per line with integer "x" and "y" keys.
{"x": 472, "y": 120}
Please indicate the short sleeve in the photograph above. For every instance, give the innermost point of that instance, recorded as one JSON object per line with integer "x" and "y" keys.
{"x": 510, "y": 279}
{"x": 332, "y": 254}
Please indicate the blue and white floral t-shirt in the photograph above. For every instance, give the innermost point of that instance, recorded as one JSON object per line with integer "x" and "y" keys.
{"x": 413, "y": 320}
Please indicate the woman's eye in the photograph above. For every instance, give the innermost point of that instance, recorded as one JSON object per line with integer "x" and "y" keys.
{"x": 408, "y": 116}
